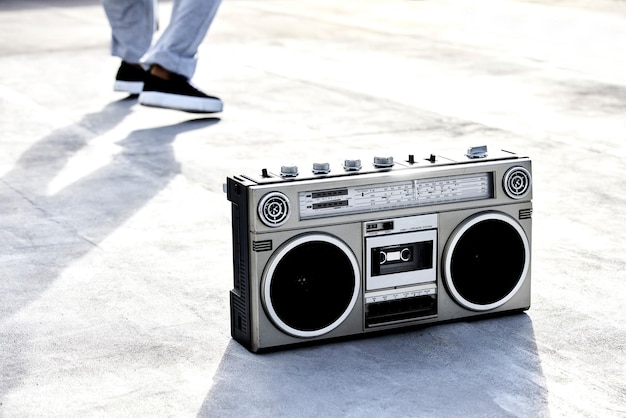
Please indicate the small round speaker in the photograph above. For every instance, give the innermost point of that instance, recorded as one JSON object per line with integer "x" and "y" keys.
{"x": 274, "y": 209}
{"x": 516, "y": 182}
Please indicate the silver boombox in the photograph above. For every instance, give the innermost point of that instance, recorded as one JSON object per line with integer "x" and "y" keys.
{"x": 359, "y": 249}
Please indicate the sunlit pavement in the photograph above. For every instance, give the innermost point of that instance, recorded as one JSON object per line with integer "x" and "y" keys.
{"x": 115, "y": 241}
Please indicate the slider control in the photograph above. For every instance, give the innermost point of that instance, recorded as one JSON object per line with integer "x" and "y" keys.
{"x": 477, "y": 152}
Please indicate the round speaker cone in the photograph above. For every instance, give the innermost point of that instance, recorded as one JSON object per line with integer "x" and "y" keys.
{"x": 486, "y": 261}
{"x": 311, "y": 286}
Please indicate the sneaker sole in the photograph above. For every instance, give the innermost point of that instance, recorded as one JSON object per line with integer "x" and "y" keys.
{"x": 131, "y": 87}
{"x": 180, "y": 102}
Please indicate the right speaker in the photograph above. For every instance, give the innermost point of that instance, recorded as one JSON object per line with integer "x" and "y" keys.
{"x": 486, "y": 261}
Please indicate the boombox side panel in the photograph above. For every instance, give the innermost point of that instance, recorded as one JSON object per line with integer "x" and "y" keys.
{"x": 240, "y": 325}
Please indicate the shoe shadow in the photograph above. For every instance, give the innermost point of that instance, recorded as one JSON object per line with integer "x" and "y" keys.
{"x": 42, "y": 233}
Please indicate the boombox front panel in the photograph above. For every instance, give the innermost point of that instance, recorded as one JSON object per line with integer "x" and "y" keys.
{"x": 333, "y": 256}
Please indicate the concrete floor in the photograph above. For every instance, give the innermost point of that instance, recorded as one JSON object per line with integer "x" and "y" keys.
{"x": 115, "y": 233}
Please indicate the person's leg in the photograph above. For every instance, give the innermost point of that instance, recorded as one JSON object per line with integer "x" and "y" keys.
{"x": 132, "y": 27}
{"x": 176, "y": 49}
{"x": 172, "y": 60}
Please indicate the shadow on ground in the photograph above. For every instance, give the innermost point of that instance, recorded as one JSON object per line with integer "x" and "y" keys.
{"x": 43, "y": 233}
{"x": 484, "y": 368}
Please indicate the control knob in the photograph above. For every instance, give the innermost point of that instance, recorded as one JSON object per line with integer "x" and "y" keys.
{"x": 352, "y": 165}
{"x": 383, "y": 162}
{"x": 288, "y": 171}
{"x": 321, "y": 168}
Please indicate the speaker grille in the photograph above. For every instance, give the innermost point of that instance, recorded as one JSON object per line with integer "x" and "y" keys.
{"x": 486, "y": 261}
{"x": 517, "y": 182}
{"x": 274, "y": 209}
{"x": 311, "y": 285}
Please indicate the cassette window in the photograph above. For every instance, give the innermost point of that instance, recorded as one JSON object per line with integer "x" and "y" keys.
{"x": 400, "y": 258}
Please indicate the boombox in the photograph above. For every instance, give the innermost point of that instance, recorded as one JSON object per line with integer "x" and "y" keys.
{"x": 359, "y": 248}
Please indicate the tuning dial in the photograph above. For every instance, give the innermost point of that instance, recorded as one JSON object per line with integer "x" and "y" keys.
{"x": 383, "y": 162}
{"x": 352, "y": 165}
{"x": 321, "y": 168}
{"x": 288, "y": 171}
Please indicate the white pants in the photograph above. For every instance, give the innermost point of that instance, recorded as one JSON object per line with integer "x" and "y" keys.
{"x": 133, "y": 26}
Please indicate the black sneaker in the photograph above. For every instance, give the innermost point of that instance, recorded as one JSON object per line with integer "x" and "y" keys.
{"x": 177, "y": 93}
{"x": 129, "y": 78}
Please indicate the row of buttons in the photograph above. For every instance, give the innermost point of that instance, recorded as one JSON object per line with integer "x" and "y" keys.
{"x": 290, "y": 171}
{"x": 348, "y": 165}
{"x": 403, "y": 295}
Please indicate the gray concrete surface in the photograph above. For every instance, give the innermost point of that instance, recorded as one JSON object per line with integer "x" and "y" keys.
{"x": 114, "y": 231}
